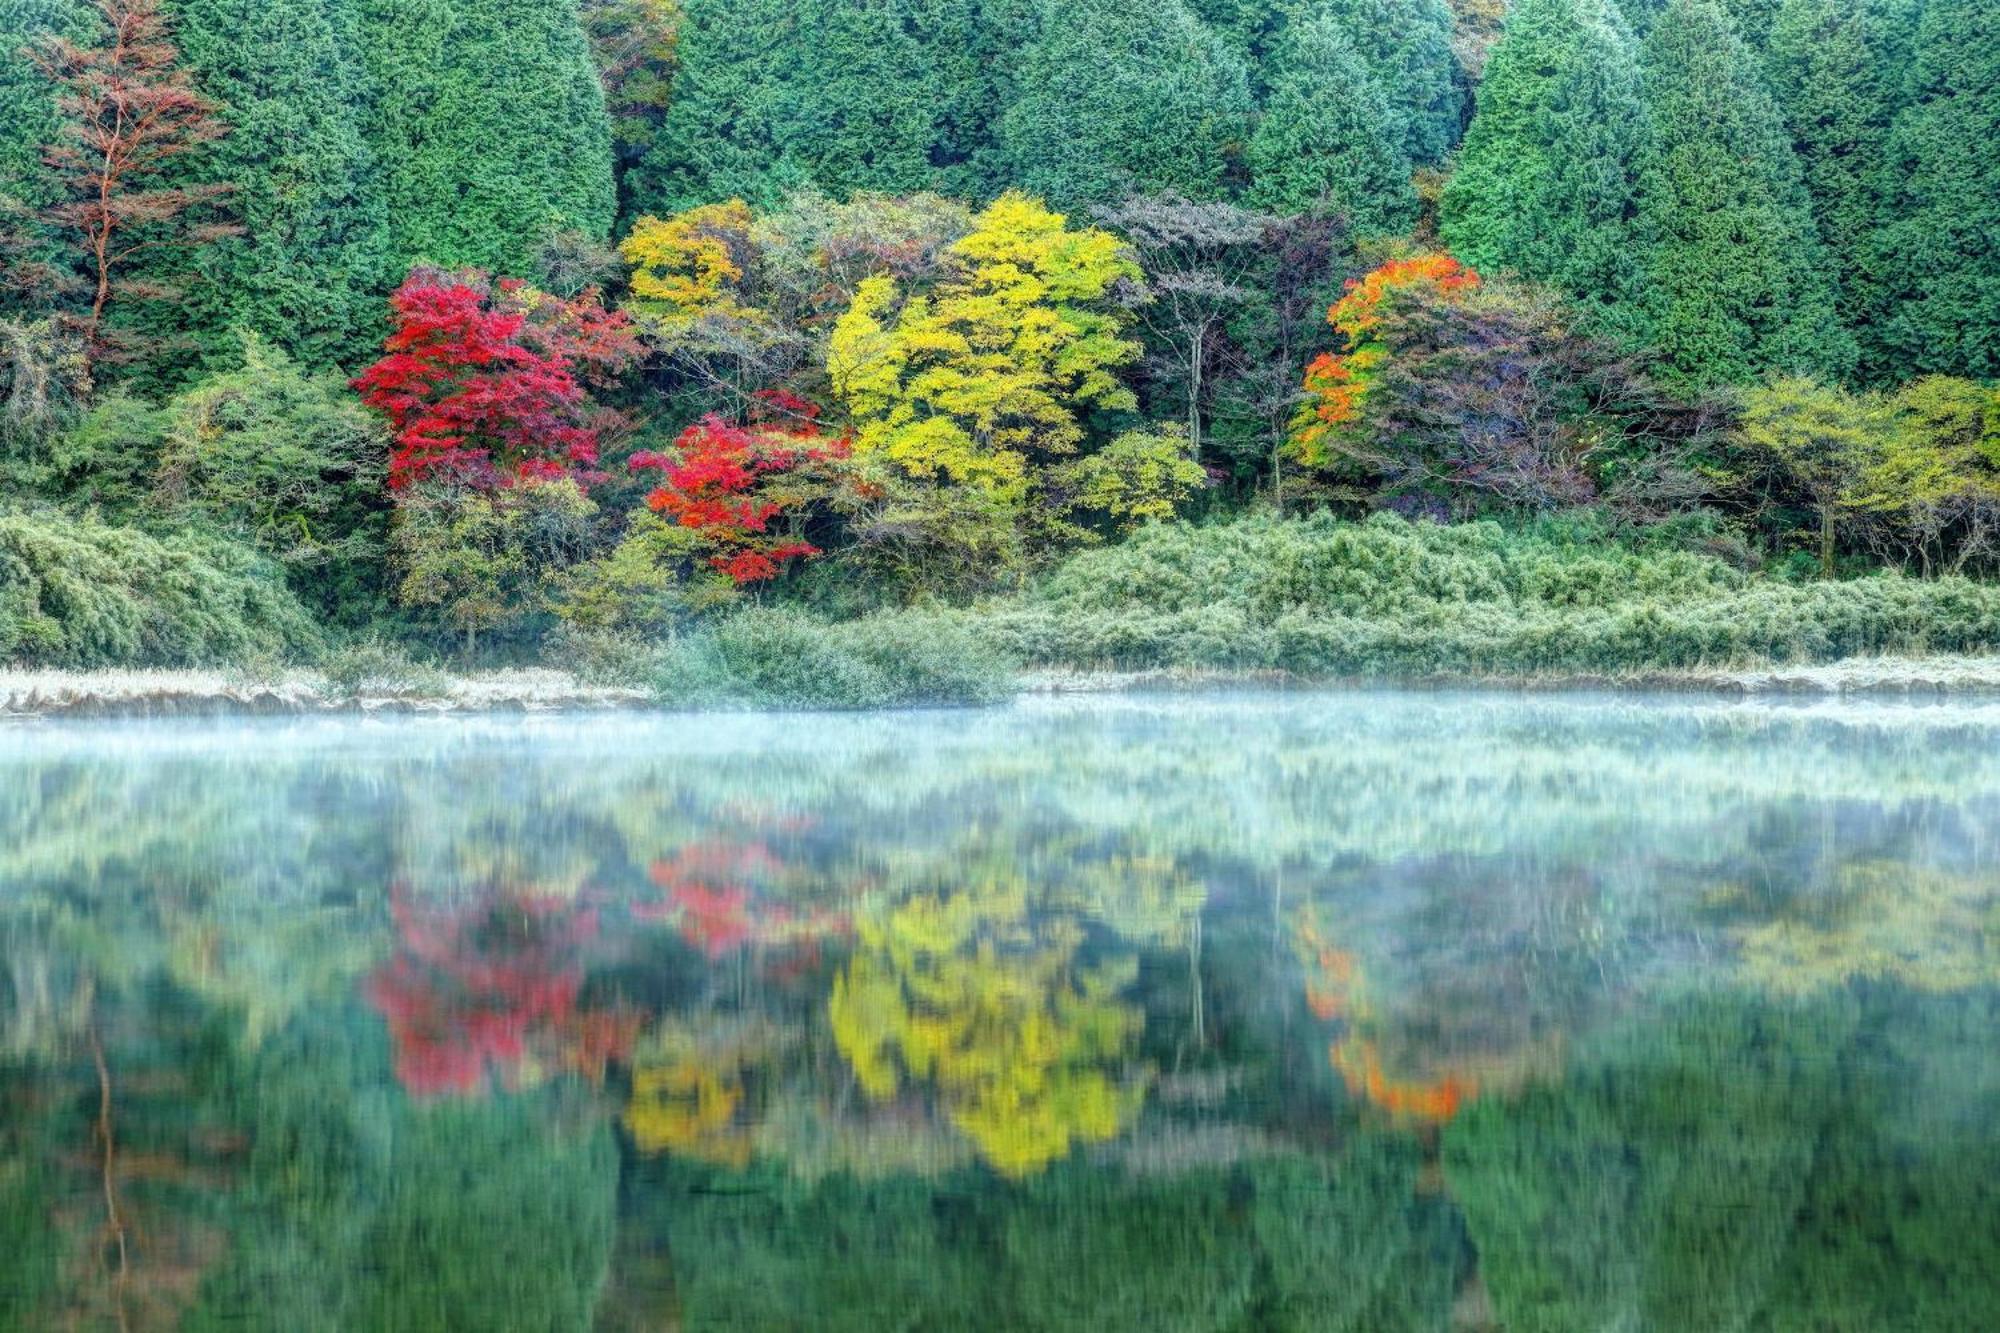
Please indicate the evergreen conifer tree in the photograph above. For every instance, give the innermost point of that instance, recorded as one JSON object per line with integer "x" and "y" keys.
{"x": 1406, "y": 44}
{"x": 488, "y": 129}
{"x": 1838, "y": 83}
{"x": 309, "y": 270}
{"x": 1737, "y": 282}
{"x": 1547, "y": 182}
{"x": 845, "y": 95}
{"x": 1327, "y": 135}
{"x": 28, "y": 121}
{"x": 1942, "y": 253}
{"x": 1116, "y": 98}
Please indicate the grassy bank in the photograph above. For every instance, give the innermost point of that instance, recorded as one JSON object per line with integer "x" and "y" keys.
{"x": 1320, "y": 598}
{"x": 77, "y": 594}
{"x": 1258, "y": 600}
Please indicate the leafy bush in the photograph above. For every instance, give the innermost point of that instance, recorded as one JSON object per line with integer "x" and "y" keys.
{"x": 1322, "y": 597}
{"x": 377, "y": 669}
{"x": 780, "y": 658}
{"x": 77, "y": 594}
{"x": 288, "y": 462}
{"x": 490, "y": 564}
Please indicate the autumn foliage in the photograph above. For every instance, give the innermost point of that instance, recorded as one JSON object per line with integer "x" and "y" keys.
{"x": 128, "y": 114}
{"x": 1337, "y": 383}
{"x": 712, "y": 896}
{"x": 475, "y": 991}
{"x": 486, "y": 382}
{"x": 727, "y": 484}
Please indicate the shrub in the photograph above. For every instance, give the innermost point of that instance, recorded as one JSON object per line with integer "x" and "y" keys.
{"x": 781, "y": 658}
{"x": 377, "y": 669}
{"x": 288, "y": 462}
{"x": 1321, "y": 597}
{"x": 77, "y": 594}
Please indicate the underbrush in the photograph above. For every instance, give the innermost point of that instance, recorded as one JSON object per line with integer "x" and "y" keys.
{"x": 782, "y": 658}
{"x": 1321, "y": 597}
{"x": 77, "y": 594}
{"x": 376, "y": 669}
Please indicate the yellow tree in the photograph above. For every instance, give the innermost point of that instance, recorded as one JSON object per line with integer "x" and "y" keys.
{"x": 989, "y": 1005}
{"x": 1824, "y": 439}
{"x": 976, "y": 382}
{"x": 692, "y": 292}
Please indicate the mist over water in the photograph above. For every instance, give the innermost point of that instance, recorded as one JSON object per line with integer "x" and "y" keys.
{"x": 1352, "y": 1010}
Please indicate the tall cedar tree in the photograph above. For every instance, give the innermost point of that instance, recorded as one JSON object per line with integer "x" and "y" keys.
{"x": 1943, "y": 255}
{"x": 1327, "y": 137}
{"x": 489, "y": 129}
{"x": 846, "y": 95}
{"x": 1116, "y": 98}
{"x": 1838, "y": 71}
{"x": 1406, "y": 45}
{"x": 32, "y": 266}
{"x": 1548, "y": 180}
{"x": 1753, "y": 18}
{"x": 309, "y": 271}
{"x": 127, "y": 113}
{"x": 1737, "y": 279}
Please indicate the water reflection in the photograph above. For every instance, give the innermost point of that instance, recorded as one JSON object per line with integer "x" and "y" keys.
{"x": 1322, "y": 1012}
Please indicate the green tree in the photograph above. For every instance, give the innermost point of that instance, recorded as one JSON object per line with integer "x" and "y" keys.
{"x": 1406, "y": 45}
{"x": 488, "y": 128}
{"x": 1822, "y": 439}
{"x": 845, "y": 95}
{"x": 1943, "y": 252}
{"x": 1737, "y": 279}
{"x": 288, "y": 462}
{"x": 1116, "y": 98}
{"x": 1838, "y": 85}
{"x": 1327, "y": 136}
{"x": 1936, "y": 489}
{"x": 1752, "y": 18}
{"x": 1548, "y": 180}
{"x": 29, "y": 254}
{"x": 489, "y": 563}
{"x": 309, "y": 270}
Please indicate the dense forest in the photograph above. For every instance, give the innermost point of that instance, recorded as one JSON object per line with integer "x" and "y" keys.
{"x": 856, "y": 350}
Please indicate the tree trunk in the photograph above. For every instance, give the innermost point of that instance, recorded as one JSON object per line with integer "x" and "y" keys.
{"x": 1194, "y": 397}
{"x": 1826, "y": 540}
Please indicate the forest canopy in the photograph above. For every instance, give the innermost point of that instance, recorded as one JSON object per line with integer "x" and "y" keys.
{"x": 539, "y": 328}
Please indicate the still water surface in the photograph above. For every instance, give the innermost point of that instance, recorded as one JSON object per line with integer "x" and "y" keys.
{"x": 1361, "y": 1011}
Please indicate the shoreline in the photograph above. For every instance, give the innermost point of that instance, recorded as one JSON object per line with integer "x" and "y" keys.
{"x": 31, "y": 694}
{"x": 1918, "y": 677}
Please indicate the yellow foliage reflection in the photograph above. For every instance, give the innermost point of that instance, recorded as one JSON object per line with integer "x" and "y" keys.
{"x": 1928, "y": 929}
{"x": 685, "y": 1099}
{"x": 990, "y": 1006}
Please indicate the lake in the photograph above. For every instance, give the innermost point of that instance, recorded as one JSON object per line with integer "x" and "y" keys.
{"x": 1369, "y": 1010}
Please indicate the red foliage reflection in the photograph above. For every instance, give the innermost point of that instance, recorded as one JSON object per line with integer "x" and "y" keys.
{"x": 711, "y": 899}
{"x": 475, "y": 986}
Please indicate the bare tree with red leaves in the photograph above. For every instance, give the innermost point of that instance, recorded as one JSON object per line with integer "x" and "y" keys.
{"x": 129, "y": 111}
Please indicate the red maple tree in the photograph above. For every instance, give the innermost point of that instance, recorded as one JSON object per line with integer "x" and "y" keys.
{"x": 127, "y": 112}
{"x": 725, "y": 483}
{"x": 488, "y": 382}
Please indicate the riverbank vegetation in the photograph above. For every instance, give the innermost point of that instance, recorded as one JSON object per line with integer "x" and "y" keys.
{"x": 853, "y": 361}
